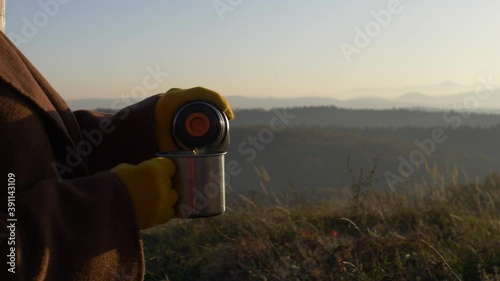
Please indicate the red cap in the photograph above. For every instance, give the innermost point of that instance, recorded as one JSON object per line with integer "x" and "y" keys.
{"x": 197, "y": 124}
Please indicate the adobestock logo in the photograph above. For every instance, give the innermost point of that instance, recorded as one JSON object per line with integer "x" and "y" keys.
{"x": 31, "y": 26}
{"x": 363, "y": 37}
{"x": 224, "y": 6}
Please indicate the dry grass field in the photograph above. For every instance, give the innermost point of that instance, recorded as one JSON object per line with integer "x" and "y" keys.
{"x": 421, "y": 232}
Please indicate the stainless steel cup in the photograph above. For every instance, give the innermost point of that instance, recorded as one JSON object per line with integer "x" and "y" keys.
{"x": 199, "y": 182}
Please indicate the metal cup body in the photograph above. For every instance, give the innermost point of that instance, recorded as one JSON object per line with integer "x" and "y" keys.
{"x": 199, "y": 183}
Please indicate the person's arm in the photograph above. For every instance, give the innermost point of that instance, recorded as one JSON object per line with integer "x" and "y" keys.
{"x": 82, "y": 227}
{"x": 125, "y": 137}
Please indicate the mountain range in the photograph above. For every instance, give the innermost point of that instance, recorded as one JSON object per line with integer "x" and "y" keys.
{"x": 414, "y": 100}
{"x": 410, "y": 100}
{"x": 428, "y": 97}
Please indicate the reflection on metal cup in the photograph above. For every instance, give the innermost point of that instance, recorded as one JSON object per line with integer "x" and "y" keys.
{"x": 199, "y": 182}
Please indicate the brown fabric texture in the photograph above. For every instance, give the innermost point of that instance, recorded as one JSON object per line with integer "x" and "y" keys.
{"x": 75, "y": 220}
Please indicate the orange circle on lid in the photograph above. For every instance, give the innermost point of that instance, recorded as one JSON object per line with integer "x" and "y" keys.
{"x": 197, "y": 124}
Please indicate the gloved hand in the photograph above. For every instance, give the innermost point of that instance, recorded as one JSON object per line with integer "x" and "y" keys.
{"x": 150, "y": 189}
{"x": 171, "y": 101}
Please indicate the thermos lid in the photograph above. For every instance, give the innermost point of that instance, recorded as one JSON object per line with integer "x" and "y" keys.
{"x": 200, "y": 125}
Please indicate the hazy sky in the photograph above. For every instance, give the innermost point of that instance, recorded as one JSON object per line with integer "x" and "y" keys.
{"x": 279, "y": 48}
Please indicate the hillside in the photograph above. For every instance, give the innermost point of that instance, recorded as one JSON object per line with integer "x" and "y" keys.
{"x": 314, "y": 159}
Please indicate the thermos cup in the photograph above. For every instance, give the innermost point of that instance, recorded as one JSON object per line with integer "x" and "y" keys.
{"x": 201, "y": 130}
{"x": 199, "y": 182}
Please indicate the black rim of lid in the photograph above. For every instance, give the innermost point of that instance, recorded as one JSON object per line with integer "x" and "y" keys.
{"x": 215, "y": 134}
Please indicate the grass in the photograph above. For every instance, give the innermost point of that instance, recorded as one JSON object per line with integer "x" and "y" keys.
{"x": 423, "y": 233}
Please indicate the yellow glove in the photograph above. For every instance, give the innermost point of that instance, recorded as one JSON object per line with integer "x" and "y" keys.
{"x": 173, "y": 100}
{"x": 150, "y": 189}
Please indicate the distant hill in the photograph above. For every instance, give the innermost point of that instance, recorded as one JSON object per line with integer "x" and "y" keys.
{"x": 408, "y": 101}
{"x": 78, "y": 104}
{"x": 238, "y": 102}
{"x": 439, "y": 89}
{"x": 357, "y": 118}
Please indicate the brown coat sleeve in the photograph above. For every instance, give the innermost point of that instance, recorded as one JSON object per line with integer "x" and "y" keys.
{"x": 125, "y": 137}
{"x": 82, "y": 228}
